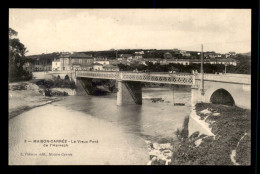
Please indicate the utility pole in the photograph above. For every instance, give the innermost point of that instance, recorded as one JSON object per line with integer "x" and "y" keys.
{"x": 225, "y": 67}
{"x": 201, "y": 71}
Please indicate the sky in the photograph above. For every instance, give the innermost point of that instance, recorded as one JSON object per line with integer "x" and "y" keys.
{"x": 72, "y": 30}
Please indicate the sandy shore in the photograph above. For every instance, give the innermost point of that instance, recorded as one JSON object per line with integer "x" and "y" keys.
{"x": 26, "y": 98}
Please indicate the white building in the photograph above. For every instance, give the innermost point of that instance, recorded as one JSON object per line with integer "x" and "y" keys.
{"x": 175, "y": 61}
{"x": 110, "y": 68}
{"x": 230, "y": 54}
{"x": 183, "y": 61}
{"x": 56, "y": 65}
{"x": 125, "y": 56}
{"x": 97, "y": 67}
{"x": 184, "y": 53}
{"x": 138, "y": 55}
{"x": 101, "y": 61}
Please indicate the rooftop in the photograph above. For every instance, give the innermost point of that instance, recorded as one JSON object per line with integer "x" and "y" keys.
{"x": 214, "y": 60}
{"x": 76, "y": 55}
{"x": 56, "y": 61}
{"x": 97, "y": 64}
{"x": 125, "y": 55}
{"x": 109, "y": 66}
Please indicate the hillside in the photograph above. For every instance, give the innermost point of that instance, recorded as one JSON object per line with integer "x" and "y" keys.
{"x": 246, "y": 54}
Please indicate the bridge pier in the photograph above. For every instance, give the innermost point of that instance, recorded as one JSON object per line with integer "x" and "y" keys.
{"x": 196, "y": 96}
{"x": 129, "y": 92}
{"x": 86, "y": 85}
{"x": 194, "y": 93}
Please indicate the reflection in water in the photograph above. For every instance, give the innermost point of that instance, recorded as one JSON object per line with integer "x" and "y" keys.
{"x": 121, "y": 130}
{"x": 154, "y": 121}
{"x": 131, "y": 121}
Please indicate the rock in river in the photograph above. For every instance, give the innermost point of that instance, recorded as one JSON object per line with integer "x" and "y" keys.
{"x": 167, "y": 153}
{"x": 156, "y": 146}
{"x": 154, "y": 153}
{"x": 165, "y": 146}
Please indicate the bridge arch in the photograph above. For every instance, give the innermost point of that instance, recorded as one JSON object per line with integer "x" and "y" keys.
{"x": 222, "y": 96}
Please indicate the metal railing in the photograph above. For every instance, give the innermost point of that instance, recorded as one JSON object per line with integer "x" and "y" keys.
{"x": 183, "y": 79}
{"x": 229, "y": 78}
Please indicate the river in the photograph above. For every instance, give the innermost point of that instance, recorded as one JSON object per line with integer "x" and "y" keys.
{"x": 115, "y": 134}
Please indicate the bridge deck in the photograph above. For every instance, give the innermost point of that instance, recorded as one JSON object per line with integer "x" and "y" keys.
{"x": 182, "y": 79}
{"x": 176, "y": 78}
{"x": 227, "y": 78}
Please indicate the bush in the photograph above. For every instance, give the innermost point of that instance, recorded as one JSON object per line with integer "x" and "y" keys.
{"x": 243, "y": 151}
{"x": 16, "y": 75}
{"x": 56, "y": 83}
{"x": 184, "y": 132}
{"x": 67, "y": 78}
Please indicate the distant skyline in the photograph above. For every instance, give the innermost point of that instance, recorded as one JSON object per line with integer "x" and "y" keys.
{"x": 74, "y": 30}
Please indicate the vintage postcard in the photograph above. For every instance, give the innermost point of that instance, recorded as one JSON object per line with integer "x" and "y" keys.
{"x": 129, "y": 87}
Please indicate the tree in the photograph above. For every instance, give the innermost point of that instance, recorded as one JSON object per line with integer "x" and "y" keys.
{"x": 17, "y": 58}
{"x": 67, "y": 78}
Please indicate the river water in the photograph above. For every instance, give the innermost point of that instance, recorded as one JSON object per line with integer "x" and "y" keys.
{"x": 114, "y": 134}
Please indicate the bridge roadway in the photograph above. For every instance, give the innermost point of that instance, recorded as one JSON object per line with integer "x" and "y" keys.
{"x": 160, "y": 77}
{"x": 184, "y": 79}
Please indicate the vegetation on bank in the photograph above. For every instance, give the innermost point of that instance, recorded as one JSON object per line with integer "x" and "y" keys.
{"x": 57, "y": 82}
{"x": 243, "y": 155}
{"x": 46, "y": 86}
{"x": 182, "y": 134}
{"x": 232, "y": 124}
{"x": 17, "y": 59}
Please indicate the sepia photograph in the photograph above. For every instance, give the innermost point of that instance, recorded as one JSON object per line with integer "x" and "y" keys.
{"x": 129, "y": 87}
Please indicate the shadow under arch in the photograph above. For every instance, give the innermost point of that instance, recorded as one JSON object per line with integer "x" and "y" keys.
{"x": 222, "y": 96}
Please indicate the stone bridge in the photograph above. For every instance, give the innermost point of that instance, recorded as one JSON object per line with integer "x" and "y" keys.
{"x": 230, "y": 89}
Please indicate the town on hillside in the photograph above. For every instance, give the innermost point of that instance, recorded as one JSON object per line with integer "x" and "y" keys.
{"x": 130, "y": 87}
{"x": 110, "y": 60}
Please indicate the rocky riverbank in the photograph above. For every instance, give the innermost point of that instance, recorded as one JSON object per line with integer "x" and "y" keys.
{"x": 225, "y": 141}
{"x": 56, "y": 87}
{"x": 57, "y": 91}
{"x": 160, "y": 154}
{"x": 228, "y": 144}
